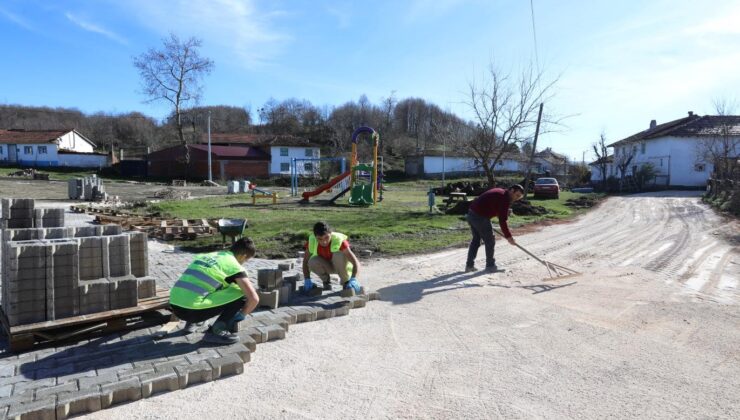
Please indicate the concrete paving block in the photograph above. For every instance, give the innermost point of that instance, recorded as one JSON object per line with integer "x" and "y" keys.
{"x": 43, "y": 409}
{"x": 111, "y": 229}
{"x": 286, "y": 313}
{"x": 153, "y": 383}
{"x": 54, "y": 390}
{"x": 274, "y": 332}
{"x": 124, "y": 292}
{"x": 57, "y": 232}
{"x": 269, "y": 299}
{"x": 305, "y": 313}
{"x": 147, "y": 287}
{"x": 238, "y": 349}
{"x": 79, "y": 402}
{"x": 194, "y": 374}
{"x": 267, "y": 278}
{"x": 227, "y": 365}
{"x": 292, "y": 280}
{"x": 356, "y": 302}
{"x": 341, "y": 310}
{"x": 120, "y": 391}
{"x": 87, "y": 231}
{"x": 285, "y": 294}
{"x": 94, "y": 296}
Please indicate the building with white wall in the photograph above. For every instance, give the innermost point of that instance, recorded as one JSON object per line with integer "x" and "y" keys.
{"x": 676, "y": 149}
{"x": 433, "y": 163}
{"x": 49, "y": 148}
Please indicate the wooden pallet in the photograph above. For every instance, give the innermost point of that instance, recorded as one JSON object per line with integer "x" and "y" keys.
{"x": 149, "y": 312}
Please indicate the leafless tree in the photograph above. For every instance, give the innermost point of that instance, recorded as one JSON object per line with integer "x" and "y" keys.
{"x": 173, "y": 74}
{"x": 722, "y": 147}
{"x": 505, "y": 112}
{"x": 602, "y": 157}
{"x": 622, "y": 161}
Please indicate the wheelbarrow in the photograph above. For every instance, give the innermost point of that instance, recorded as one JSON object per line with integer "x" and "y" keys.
{"x": 233, "y": 228}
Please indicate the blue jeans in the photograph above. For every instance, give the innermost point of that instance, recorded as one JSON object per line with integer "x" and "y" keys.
{"x": 481, "y": 229}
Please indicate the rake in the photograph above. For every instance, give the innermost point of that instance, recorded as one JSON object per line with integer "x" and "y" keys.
{"x": 555, "y": 271}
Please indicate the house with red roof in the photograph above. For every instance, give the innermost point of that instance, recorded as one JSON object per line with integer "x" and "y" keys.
{"x": 49, "y": 148}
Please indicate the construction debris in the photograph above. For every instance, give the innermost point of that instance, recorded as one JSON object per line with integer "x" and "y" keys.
{"x": 172, "y": 194}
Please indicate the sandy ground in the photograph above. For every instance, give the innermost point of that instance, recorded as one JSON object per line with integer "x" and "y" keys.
{"x": 651, "y": 330}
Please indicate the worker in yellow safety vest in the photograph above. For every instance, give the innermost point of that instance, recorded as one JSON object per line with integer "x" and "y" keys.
{"x": 215, "y": 284}
{"x": 328, "y": 253}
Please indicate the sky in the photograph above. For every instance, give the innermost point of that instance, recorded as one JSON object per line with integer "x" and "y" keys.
{"x": 616, "y": 65}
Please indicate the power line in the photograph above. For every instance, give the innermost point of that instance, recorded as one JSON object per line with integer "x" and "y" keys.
{"x": 534, "y": 35}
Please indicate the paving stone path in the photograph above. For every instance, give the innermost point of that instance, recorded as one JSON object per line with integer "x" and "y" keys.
{"x": 90, "y": 375}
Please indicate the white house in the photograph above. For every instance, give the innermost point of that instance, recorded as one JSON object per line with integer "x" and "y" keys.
{"x": 281, "y": 148}
{"x": 49, "y": 148}
{"x": 675, "y": 149}
{"x": 432, "y": 163}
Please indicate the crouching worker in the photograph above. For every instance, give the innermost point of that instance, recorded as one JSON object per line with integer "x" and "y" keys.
{"x": 215, "y": 284}
{"x": 329, "y": 253}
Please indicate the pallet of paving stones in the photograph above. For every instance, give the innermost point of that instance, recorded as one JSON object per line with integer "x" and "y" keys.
{"x": 149, "y": 311}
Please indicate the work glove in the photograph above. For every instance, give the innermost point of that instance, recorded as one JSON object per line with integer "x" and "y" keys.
{"x": 352, "y": 283}
{"x": 239, "y": 316}
{"x": 307, "y": 285}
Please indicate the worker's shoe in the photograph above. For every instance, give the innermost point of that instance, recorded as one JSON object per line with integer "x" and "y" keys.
{"x": 218, "y": 334}
{"x": 491, "y": 268}
{"x": 470, "y": 269}
{"x": 191, "y": 327}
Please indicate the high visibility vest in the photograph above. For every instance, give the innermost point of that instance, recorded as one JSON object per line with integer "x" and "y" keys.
{"x": 203, "y": 284}
{"x": 336, "y": 243}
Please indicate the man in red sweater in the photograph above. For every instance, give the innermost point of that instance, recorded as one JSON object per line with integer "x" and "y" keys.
{"x": 494, "y": 202}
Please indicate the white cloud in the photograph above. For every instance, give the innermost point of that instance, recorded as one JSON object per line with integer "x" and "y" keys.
{"x": 18, "y": 20}
{"x": 236, "y": 26}
{"x": 94, "y": 28}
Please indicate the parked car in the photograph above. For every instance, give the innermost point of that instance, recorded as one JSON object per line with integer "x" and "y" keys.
{"x": 546, "y": 187}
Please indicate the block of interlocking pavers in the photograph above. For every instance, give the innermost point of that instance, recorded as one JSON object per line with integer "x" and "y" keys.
{"x": 268, "y": 278}
{"x": 238, "y": 349}
{"x": 139, "y": 253}
{"x": 42, "y": 409}
{"x": 121, "y": 391}
{"x": 269, "y": 299}
{"x": 48, "y": 217}
{"x": 111, "y": 229}
{"x": 77, "y": 402}
{"x": 85, "y": 231}
{"x": 62, "y": 293}
{"x": 20, "y": 223}
{"x": 286, "y": 266}
{"x": 94, "y": 296}
{"x": 91, "y": 257}
{"x": 119, "y": 263}
{"x": 147, "y": 287}
{"x": 230, "y": 364}
{"x": 153, "y": 383}
{"x": 285, "y": 294}
{"x": 26, "y": 270}
{"x": 292, "y": 280}
{"x": 124, "y": 292}
{"x": 57, "y": 232}
{"x": 194, "y": 373}
{"x": 26, "y": 234}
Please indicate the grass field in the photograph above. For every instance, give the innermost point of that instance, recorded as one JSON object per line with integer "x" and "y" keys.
{"x": 400, "y": 224}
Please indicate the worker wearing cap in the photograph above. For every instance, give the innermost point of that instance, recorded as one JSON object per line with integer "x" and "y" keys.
{"x": 492, "y": 203}
{"x": 328, "y": 253}
{"x": 215, "y": 284}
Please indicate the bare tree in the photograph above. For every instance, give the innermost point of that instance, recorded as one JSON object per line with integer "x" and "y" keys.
{"x": 505, "y": 112}
{"x": 622, "y": 161}
{"x": 602, "y": 157}
{"x": 173, "y": 75}
{"x": 722, "y": 146}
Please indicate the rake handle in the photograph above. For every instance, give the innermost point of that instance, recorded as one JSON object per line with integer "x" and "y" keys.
{"x": 523, "y": 249}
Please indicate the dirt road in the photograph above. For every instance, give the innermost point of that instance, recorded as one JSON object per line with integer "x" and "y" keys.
{"x": 651, "y": 330}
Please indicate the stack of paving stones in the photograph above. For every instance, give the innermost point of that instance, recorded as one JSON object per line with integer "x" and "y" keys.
{"x": 89, "y": 189}
{"x": 274, "y": 289}
{"x": 60, "y": 382}
{"x": 49, "y": 273}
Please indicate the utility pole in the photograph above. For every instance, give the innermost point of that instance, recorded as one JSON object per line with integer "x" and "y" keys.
{"x": 444, "y": 155}
{"x": 534, "y": 147}
{"x": 210, "y": 173}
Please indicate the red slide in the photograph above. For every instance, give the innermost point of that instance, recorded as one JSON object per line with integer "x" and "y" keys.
{"x": 331, "y": 183}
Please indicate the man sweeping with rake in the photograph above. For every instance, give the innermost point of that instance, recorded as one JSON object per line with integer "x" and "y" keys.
{"x": 492, "y": 203}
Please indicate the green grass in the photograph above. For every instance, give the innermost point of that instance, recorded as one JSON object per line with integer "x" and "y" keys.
{"x": 57, "y": 174}
{"x": 400, "y": 224}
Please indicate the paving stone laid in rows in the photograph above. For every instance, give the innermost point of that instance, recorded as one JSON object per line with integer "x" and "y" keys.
{"x": 70, "y": 380}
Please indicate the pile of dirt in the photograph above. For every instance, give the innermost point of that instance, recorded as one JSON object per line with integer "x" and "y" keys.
{"x": 28, "y": 172}
{"x": 581, "y": 202}
{"x": 172, "y": 194}
{"x": 525, "y": 208}
{"x": 460, "y": 207}
{"x": 469, "y": 188}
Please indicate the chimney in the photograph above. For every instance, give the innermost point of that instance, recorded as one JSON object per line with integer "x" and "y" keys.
{"x": 691, "y": 113}
{"x": 652, "y": 124}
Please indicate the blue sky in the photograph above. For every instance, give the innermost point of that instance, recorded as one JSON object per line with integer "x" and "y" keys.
{"x": 618, "y": 64}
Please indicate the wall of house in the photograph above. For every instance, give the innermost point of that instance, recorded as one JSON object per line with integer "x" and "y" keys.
{"x": 276, "y": 160}
{"x": 83, "y": 160}
{"x": 74, "y": 142}
{"x": 433, "y": 165}
{"x": 674, "y": 158}
{"x": 33, "y": 155}
{"x": 4, "y": 156}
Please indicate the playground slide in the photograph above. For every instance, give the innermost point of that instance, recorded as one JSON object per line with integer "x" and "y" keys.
{"x": 331, "y": 183}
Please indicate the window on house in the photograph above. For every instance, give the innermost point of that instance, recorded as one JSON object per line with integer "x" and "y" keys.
{"x": 285, "y": 167}
{"x": 308, "y": 166}
{"x": 634, "y": 150}
{"x": 309, "y": 152}
{"x": 283, "y": 151}
{"x": 699, "y": 167}
{"x": 28, "y": 150}
{"x": 42, "y": 150}
{"x": 642, "y": 148}
{"x": 1, "y": 151}
{"x": 661, "y": 163}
